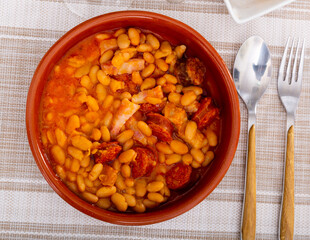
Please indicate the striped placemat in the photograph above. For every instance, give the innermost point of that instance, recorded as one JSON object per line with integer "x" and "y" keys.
{"x": 30, "y": 209}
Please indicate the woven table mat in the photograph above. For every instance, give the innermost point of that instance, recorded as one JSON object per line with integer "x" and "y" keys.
{"x": 30, "y": 209}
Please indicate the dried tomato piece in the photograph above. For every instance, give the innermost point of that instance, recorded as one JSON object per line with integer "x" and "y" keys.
{"x": 148, "y": 107}
{"x": 161, "y": 126}
{"x": 178, "y": 176}
{"x": 206, "y": 113}
{"x": 107, "y": 151}
{"x": 144, "y": 162}
{"x": 108, "y": 175}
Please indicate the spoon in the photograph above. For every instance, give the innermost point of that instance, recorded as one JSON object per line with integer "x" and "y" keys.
{"x": 252, "y": 74}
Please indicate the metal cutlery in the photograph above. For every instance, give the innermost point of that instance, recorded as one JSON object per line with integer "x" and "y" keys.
{"x": 289, "y": 89}
{"x": 252, "y": 74}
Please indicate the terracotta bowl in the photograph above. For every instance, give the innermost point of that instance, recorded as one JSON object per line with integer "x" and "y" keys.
{"x": 219, "y": 84}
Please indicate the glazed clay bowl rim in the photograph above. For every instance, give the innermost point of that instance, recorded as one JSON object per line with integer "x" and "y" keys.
{"x": 32, "y": 118}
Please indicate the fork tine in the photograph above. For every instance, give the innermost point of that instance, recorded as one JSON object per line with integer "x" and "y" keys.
{"x": 288, "y": 70}
{"x": 301, "y": 63}
{"x": 282, "y": 65}
{"x": 295, "y": 63}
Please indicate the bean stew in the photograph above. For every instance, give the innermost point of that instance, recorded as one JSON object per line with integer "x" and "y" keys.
{"x": 125, "y": 121}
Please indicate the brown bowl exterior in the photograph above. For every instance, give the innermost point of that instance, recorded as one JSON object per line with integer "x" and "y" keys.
{"x": 220, "y": 85}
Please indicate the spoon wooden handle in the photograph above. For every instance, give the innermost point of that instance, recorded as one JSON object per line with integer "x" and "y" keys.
{"x": 249, "y": 206}
{"x": 287, "y": 214}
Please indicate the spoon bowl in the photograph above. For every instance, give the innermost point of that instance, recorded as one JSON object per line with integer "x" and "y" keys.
{"x": 252, "y": 70}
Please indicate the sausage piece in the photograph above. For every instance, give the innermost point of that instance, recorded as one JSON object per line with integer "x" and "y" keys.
{"x": 195, "y": 70}
{"x": 206, "y": 113}
{"x": 181, "y": 74}
{"x": 161, "y": 126}
{"x": 190, "y": 71}
{"x": 144, "y": 162}
{"x": 178, "y": 176}
{"x": 148, "y": 107}
{"x": 107, "y": 151}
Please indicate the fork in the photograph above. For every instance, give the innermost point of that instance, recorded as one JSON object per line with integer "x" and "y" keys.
{"x": 289, "y": 88}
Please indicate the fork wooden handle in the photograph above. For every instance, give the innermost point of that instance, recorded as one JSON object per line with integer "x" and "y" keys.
{"x": 249, "y": 206}
{"x": 287, "y": 214}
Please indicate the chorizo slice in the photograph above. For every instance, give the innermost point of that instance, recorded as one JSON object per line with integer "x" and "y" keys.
{"x": 178, "y": 176}
{"x": 195, "y": 70}
{"x": 180, "y": 72}
{"x": 161, "y": 126}
{"x": 206, "y": 113}
{"x": 107, "y": 151}
{"x": 106, "y": 145}
{"x": 144, "y": 162}
{"x": 190, "y": 71}
{"x": 148, "y": 107}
